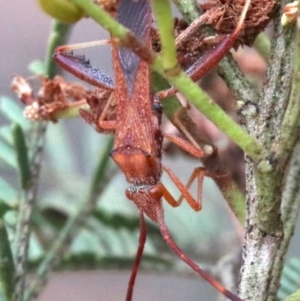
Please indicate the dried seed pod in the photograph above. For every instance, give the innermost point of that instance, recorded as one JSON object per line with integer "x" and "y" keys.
{"x": 224, "y": 15}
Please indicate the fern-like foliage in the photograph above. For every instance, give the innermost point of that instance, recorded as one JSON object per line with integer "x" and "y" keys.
{"x": 290, "y": 279}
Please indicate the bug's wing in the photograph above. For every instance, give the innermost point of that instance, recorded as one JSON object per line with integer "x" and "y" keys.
{"x": 134, "y": 108}
{"x": 136, "y": 16}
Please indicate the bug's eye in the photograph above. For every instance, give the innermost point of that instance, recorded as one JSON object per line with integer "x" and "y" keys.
{"x": 157, "y": 107}
{"x": 156, "y": 192}
{"x": 129, "y": 194}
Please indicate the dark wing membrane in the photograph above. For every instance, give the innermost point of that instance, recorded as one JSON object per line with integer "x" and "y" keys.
{"x": 136, "y": 16}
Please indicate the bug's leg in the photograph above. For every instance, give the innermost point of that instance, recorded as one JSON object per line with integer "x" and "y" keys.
{"x": 167, "y": 237}
{"x": 212, "y": 58}
{"x": 70, "y": 47}
{"x": 101, "y": 114}
{"x": 80, "y": 67}
{"x": 199, "y": 149}
{"x": 184, "y": 192}
{"x": 108, "y": 125}
{"x": 198, "y": 174}
{"x": 139, "y": 253}
{"x": 185, "y": 145}
{"x": 196, "y": 205}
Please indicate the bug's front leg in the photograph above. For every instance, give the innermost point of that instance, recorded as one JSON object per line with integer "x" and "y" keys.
{"x": 198, "y": 174}
{"x": 80, "y": 67}
{"x": 101, "y": 115}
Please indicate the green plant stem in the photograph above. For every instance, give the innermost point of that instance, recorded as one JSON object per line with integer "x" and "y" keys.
{"x": 181, "y": 82}
{"x": 214, "y": 113}
{"x": 284, "y": 146}
{"x": 28, "y": 200}
{"x": 74, "y": 223}
{"x": 58, "y": 36}
{"x": 172, "y": 107}
{"x": 163, "y": 16}
{"x": 22, "y": 155}
{"x": 7, "y": 269}
{"x": 289, "y": 132}
{"x": 290, "y": 210}
{"x": 26, "y": 206}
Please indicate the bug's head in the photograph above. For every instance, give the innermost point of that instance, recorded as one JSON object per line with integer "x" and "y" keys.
{"x": 147, "y": 198}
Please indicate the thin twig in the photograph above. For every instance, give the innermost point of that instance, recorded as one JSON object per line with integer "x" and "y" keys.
{"x": 7, "y": 269}
{"x": 29, "y": 198}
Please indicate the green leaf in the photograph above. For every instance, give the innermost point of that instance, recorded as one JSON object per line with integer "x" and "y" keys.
{"x": 7, "y": 154}
{"x": 289, "y": 282}
{"x": 60, "y": 146}
{"x": 12, "y": 111}
{"x": 4, "y": 207}
{"x": 22, "y": 156}
{"x": 35, "y": 250}
{"x": 7, "y": 193}
{"x": 37, "y": 67}
{"x": 87, "y": 241}
{"x": 89, "y": 260}
{"x": 120, "y": 221}
{"x": 5, "y": 133}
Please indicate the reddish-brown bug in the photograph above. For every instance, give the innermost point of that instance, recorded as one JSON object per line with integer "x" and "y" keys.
{"x": 137, "y": 127}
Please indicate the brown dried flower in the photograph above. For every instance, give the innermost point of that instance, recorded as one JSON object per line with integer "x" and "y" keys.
{"x": 225, "y": 14}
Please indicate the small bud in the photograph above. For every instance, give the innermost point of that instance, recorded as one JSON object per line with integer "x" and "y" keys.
{"x": 31, "y": 112}
{"x": 62, "y": 10}
{"x": 290, "y": 14}
{"x": 265, "y": 166}
{"x": 247, "y": 108}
